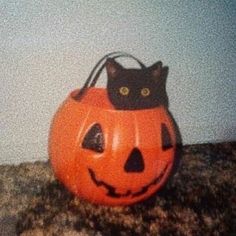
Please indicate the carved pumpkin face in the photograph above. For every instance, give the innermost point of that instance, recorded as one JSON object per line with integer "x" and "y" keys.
{"x": 107, "y": 156}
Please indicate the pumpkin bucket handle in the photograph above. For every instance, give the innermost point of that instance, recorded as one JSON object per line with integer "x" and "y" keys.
{"x": 91, "y": 82}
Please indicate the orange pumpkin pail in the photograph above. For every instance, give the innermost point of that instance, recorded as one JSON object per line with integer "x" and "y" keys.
{"x": 110, "y": 156}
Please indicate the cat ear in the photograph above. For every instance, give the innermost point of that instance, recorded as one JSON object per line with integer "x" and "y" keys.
{"x": 113, "y": 68}
{"x": 158, "y": 72}
{"x": 164, "y": 73}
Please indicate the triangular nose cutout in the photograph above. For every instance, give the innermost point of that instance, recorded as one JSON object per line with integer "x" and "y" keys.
{"x": 94, "y": 140}
{"x": 135, "y": 161}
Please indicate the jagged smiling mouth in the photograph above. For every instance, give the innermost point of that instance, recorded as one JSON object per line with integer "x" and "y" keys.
{"x": 111, "y": 191}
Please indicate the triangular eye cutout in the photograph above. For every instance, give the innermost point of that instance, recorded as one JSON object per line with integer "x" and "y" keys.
{"x": 165, "y": 137}
{"x": 94, "y": 139}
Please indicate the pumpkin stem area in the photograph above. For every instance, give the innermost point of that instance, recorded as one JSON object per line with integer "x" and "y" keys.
{"x": 96, "y": 97}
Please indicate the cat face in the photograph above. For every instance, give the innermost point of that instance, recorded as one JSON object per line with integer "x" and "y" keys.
{"x": 133, "y": 89}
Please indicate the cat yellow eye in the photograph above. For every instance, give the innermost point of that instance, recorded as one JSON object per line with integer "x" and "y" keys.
{"x": 124, "y": 91}
{"x": 145, "y": 92}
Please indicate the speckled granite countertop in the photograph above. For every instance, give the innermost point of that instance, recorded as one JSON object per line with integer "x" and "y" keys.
{"x": 200, "y": 199}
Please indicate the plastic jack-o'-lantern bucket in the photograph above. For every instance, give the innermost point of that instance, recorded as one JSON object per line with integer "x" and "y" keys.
{"x": 110, "y": 156}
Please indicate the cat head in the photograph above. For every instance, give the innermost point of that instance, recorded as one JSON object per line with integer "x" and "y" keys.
{"x": 133, "y": 89}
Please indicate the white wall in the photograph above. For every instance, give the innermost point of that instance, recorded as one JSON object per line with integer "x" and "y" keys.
{"x": 47, "y": 48}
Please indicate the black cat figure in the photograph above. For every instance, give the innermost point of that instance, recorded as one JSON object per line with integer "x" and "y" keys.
{"x": 134, "y": 89}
